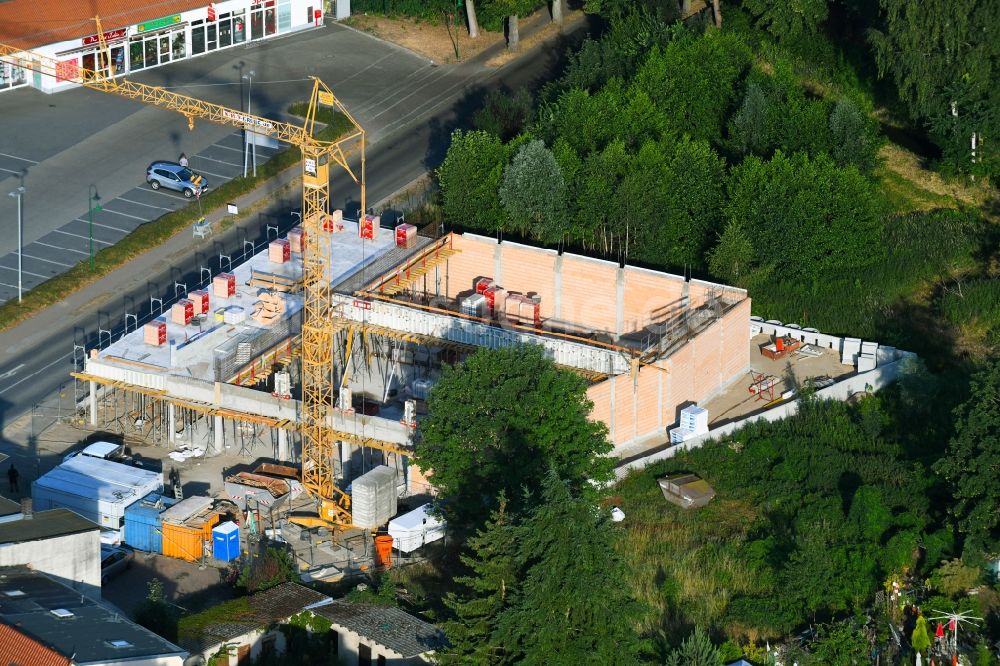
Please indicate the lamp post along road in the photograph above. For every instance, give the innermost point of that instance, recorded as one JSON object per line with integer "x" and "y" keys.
{"x": 93, "y": 199}
{"x": 249, "y": 141}
{"x": 19, "y": 193}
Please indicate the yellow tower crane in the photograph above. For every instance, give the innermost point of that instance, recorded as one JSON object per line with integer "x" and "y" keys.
{"x": 317, "y": 327}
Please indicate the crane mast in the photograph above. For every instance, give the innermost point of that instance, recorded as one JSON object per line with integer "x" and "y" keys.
{"x": 334, "y": 505}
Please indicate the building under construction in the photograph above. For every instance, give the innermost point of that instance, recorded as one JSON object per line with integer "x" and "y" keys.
{"x": 219, "y": 371}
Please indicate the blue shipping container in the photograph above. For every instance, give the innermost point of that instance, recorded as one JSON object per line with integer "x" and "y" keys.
{"x": 143, "y": 525}
{"x": 226, "y": 541}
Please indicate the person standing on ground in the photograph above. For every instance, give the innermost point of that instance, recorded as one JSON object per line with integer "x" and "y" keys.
{"x": 183, "y": 160}
{"x": 12, "y": 476}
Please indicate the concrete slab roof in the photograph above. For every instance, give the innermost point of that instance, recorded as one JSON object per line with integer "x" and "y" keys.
{"x": 73, "y": 624}
{"x": 45, "y": 525}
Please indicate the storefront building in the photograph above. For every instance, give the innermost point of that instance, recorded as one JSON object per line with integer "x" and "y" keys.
{"x": 193, "y": 28}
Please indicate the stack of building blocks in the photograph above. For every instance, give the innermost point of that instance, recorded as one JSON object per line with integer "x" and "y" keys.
{"x": 269, "y": 308}
{"x": 279, "y": 251}
{"x": 200, "y": 299}
{"x": 182, "y": 311}
{"x": 234, "y": 314}
{"x": 297, "y": 239}
{"x": 369, "y": 226}
{"x": 482, "y": 284}
{"x": 512, "y": 307}
{"x": 694, "y": 422}
{"x": 155, "y": 332}
{"x": 334, "y": 222}
{"x": 474, "y": 305}
{"x": 531, "y": 311}
{"x": 406, "y": 235}
{"x": 224, "y": 285}
{"x": 495, "y": 300}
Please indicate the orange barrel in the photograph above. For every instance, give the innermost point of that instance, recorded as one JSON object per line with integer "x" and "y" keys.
{"x": 383, "y": 550}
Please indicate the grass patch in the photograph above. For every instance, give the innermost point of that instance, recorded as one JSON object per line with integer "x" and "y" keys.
{"x": 151, "y": 234}
{"x": 336, "y": 123}
{"x": 974, "y": 307}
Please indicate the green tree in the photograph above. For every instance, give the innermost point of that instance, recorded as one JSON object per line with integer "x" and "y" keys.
{"x": 955, "y": 578}
{"x": 155, "y": 613}
{"x": 749, "y": 129}
{"x": 534, "y": 193}
{"x": 486, "y": 593}
{"x": 806, "y": 216}
{"x": 732, "y": 259}
{"x": 972, "y": 459}
{"x": 504, "y": 113}
{"x": 854, "y": 139}
{"x": 789, "y": 19}
{"x": 470, "y": 178}
{"x": 695, "y": 650}
{"x": 267, "y": 569}
{"x": 841, "y": 645}
{"x": 920, "y": 640}
{"x": 498, "y": 422}
{"x": 571, "y": 607}
{"x": 938, "y": 57}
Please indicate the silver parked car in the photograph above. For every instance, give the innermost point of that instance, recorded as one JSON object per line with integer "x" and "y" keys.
{"x": 173, "y": 176}
{"x": 114, "y": 560}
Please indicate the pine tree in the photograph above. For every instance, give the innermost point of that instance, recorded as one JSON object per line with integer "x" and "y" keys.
{"x": 473, "y": 632}
{"x": 920, "y": 640}
{"x": 573, "y": 606}
{"x": 696, "y": 650}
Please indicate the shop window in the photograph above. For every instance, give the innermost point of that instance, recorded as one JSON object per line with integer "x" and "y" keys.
{"x": 150, "y": 51}
{"x": 179, "y": 45}
{"x": 270, "y": 22}
{"x": 118, "y": 57}
{"x": 197, "y": 37}
{"x": 256, "y": 24}
{"x": 285, "y": 17}
{"x": 164, "y": 48}
{"x": 135, "y": 61}
{"x": 239, "y": 27}
{"x": 225, "y": 31}
{"x": 211, "y": 41}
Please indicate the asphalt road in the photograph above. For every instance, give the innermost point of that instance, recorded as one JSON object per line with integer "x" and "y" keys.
{"x": 409, "y": 122}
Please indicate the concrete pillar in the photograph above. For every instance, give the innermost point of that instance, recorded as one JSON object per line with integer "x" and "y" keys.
{"x": 619, "y": 302}
{"x": 217, "y": 439}
{"x": 283, "y": 452}
{"x": 557, "y": 298}
{"x": 611, "y": 420}
{"x": 345, "y": 461}
{"x": 171, "y": 422}
{"x": 93, "y": 403}
{"x": 497, "y": 273}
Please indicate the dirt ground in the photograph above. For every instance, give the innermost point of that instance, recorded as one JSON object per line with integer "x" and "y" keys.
{"x": 437, "y": 41}
{"x": 187, "y": 585}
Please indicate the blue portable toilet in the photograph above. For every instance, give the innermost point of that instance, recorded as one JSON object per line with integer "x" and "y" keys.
{"x": 226, "y": 541}
{"x": 143, "y": 524}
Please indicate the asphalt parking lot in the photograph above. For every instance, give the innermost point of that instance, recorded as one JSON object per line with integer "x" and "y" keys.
{"x": 68, "y": 245}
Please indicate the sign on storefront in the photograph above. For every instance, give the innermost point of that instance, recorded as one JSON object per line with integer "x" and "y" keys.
{"x": 211, "y": 12}
{"x": 156, "y": 24}
{"x": 109, "y": 36}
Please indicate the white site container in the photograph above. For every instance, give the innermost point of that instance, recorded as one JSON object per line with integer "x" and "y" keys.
{"x": 416, "y": 528}
{"x": 373, "y": 497}
{"x": 97, "y": 489}
{"x": 694, "y": 419}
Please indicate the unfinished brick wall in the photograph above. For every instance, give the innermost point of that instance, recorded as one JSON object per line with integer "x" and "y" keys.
{"x": 651, "y": 402}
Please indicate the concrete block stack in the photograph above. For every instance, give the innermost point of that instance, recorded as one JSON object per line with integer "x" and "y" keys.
{"x": 406, "y": 235}
{"x": 279, "y": 251}
{"x": 224, "y": 285}
{"x": 155, "y": 332}
{"x": 200, "y": 299}
{"x": 694, "y": 422}
{"x": 373, "y": 498}
{"x": 182, "y": 312}
{"x": 297, "y": 239}
{"x": 369, "y": 226}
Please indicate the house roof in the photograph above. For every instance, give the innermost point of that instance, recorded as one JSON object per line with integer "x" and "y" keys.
{"x": 17, "y": 648}
{"x": 386, "y": 625}
{"x": 259, "y": 610}
{"x": 45, "y": 525}
{"x": 72, "y": 624}
{"x": 32, "y": 23}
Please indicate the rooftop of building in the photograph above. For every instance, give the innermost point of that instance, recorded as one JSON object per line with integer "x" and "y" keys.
{"x": 232, "y": 619}
{"x": 33, "y": 23}
{"x": 8, "y": 507}
{"x": 72, "y": 624}
{"x": 19, "y": 649}
{"x": 386, "y": 625}
{"x": 45, "y": 525}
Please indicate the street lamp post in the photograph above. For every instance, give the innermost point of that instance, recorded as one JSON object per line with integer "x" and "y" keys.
{"x": 19, "y": 193}
{"x": 246, "y": 133}
{"x": 93, "y": 199}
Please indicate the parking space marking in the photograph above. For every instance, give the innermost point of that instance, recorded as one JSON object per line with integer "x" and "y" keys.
{"x": 98, "y": 224}
{"x": 212, "y": 160}
{"x": 118, "y": 212}
{"x": 9, "y": 170}
{"x": 166, "y": 193}
{"x": 96, "y": 240}
{"x": 12, "y": 286}
{"x": 217, "y": 175}
{"x": 57, "y": 263}
{"x": 235, "y": 150}
{"x": 139, "y": 203}
{"x": 23, "y": 159}
{"x": 59, "y": 247}
{"x": 44, "y": 277}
